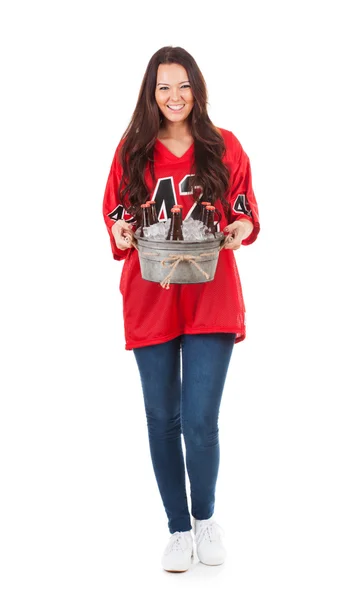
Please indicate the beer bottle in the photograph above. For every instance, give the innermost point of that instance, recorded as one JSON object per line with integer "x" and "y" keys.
{"x": 150, "y": 212}
{"x": 168, "y": 237}
{"x": 210, "y": 212}
{"x": 203, "y": 211}
{"x": 153, "y": 212}
{"x": 175, "y": 230}
{"x": 145, "y": 218}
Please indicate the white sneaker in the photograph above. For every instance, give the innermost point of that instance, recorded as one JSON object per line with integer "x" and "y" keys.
{"x": 209, "y": 545}
{"x": 179, "y": 553}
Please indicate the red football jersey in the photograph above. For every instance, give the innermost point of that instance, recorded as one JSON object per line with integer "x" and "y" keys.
{"x": 153, "y": 314}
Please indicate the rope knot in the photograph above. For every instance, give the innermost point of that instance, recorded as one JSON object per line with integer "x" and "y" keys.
{"x": 176, "y": 259}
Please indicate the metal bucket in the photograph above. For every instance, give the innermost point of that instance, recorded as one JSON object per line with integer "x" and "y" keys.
{"x": 168, "y": 262}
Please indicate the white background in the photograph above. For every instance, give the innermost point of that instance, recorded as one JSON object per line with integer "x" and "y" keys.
{"x": 81, "y": 516}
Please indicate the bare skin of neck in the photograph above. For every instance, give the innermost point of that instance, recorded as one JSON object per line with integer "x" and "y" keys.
{"x": 179, "y": 132}
{"x": 176, "y": 137}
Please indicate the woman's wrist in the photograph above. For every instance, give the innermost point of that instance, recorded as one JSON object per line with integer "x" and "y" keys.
{"x": 249, "y": 226}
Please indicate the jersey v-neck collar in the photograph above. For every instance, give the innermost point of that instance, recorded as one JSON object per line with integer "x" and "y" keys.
{"x": 164, "y": 151}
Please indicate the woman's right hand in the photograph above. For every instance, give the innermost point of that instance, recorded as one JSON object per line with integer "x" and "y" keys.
{"x": 123, "y": 234}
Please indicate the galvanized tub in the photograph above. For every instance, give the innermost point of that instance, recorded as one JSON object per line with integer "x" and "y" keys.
{"x": 166, "y": 262}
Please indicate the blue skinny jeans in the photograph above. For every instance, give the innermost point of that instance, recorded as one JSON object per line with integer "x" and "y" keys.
{"x": 185, "y": 404}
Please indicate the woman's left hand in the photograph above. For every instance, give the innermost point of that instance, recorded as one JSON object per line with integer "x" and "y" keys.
{"x": 237, "y": 231}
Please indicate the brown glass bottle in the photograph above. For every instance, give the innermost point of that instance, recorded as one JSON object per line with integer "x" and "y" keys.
{"x": 168, "y": 237}
{"x": 175, "y": 230}
{"x": 145, "y": 218}
{"x": 210, "y": 212}
{"x": 152, "y": 212}
{"x": 203, "y": 211}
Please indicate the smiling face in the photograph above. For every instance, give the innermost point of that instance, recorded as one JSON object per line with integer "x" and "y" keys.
{"x": 173, "y": 92}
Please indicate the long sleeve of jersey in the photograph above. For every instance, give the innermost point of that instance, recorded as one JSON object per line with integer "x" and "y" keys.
{"x": 112, "y": 209}
{"x": 242, "y": 198}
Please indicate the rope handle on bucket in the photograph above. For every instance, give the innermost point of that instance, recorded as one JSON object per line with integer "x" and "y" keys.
{"x": 134, "y": 243}
{"x": 177, "y": 258}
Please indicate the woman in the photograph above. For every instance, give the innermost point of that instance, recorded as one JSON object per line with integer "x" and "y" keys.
{"x": 171, "y": 152}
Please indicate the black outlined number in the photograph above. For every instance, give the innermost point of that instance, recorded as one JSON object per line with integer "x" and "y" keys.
{"x": 241, "y": 205}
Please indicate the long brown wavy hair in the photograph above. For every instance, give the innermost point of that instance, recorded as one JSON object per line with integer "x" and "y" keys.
{"x": 138, "y": 140}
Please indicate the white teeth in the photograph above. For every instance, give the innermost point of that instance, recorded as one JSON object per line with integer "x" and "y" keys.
{"x": 176, "y": 107}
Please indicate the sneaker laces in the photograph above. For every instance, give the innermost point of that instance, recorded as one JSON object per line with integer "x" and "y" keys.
{"x": 178, "y": 542}
{"x": 210, "y": 531}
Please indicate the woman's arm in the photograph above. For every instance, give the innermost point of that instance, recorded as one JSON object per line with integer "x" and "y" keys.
{"x": 242, "y": 199}
{"x": 119, "y": 231}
